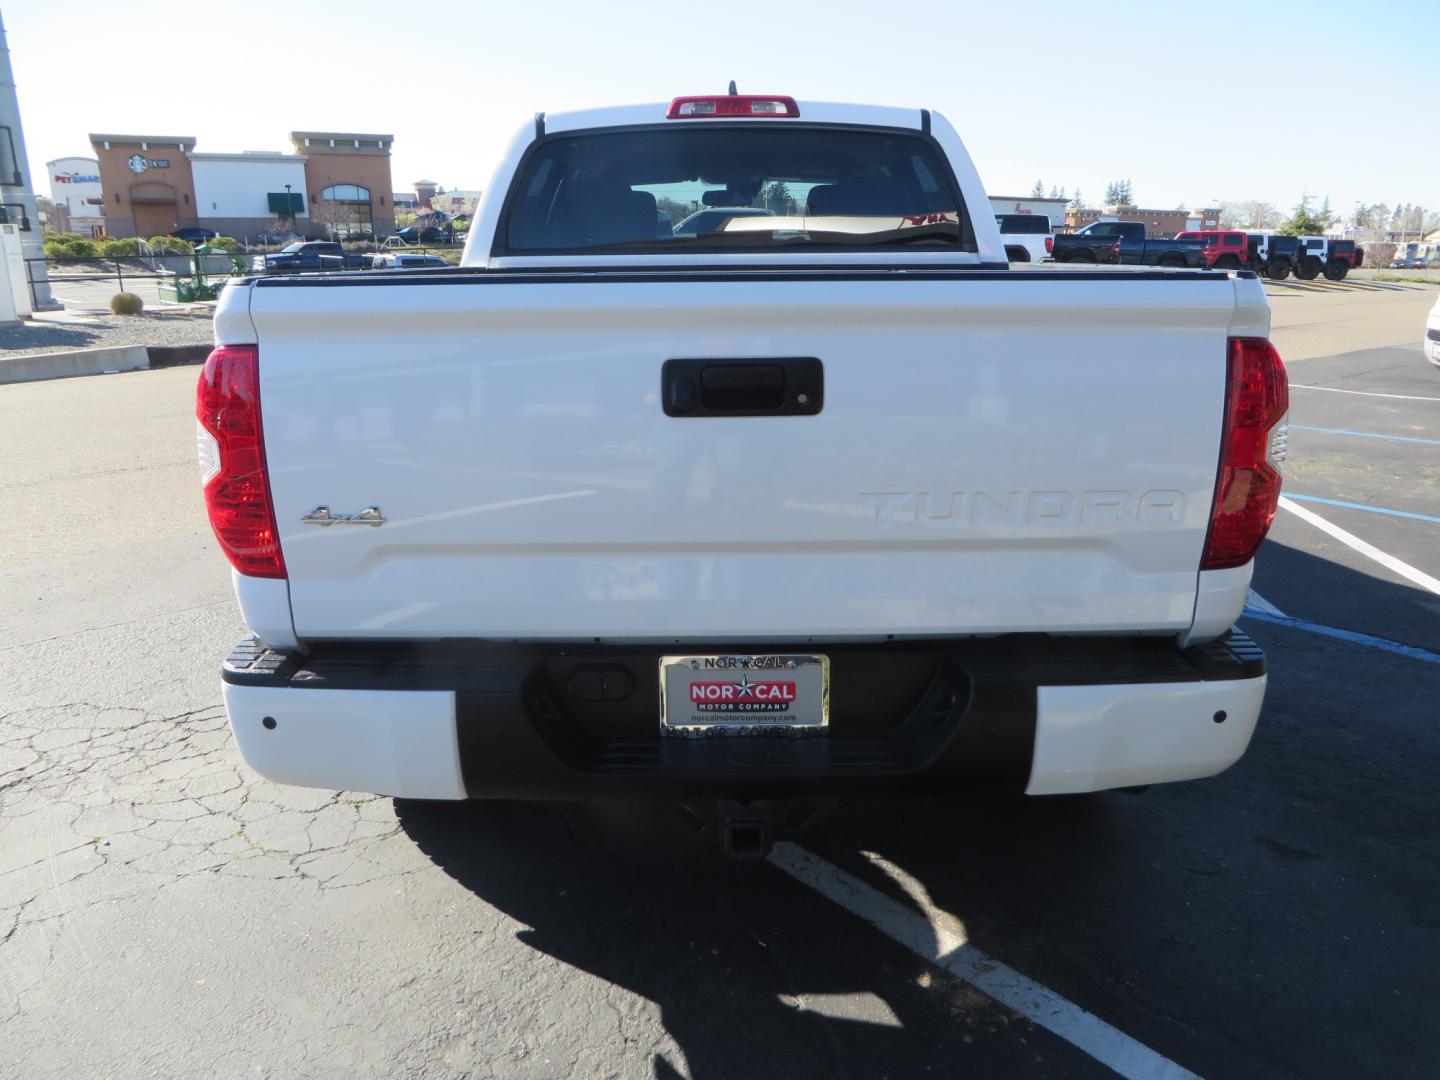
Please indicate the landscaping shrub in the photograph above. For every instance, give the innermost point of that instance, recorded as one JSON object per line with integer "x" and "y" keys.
{"x": 126, "y": 303}
{"x": 224, "y": 243}
{"x": 120, "y": 249}
{"x": 71, "y": 249}
{"x": 171, "y": 244}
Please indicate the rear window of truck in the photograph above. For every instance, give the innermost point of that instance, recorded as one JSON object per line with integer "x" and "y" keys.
{"x": 679, "y": 190}
{"x": 1023, "y": 223}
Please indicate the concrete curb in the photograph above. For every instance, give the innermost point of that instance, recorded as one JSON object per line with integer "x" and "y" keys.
{"x": 163, "y": 356}
{"x": 63, "y": 365}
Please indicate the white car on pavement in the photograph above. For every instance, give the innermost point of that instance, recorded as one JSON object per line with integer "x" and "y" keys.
{"x": 1029, "y": 233}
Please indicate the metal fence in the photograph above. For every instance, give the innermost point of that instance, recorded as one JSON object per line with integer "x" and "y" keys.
{"x": 92, "y": 281}
{"x": 169, "y": 277}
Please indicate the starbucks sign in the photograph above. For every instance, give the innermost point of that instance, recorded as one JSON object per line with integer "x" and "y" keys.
{"x": 139, "y": 163}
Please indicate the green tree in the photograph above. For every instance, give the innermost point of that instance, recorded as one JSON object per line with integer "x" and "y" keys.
{"x": 1118, "y": 193}
{"x": 776, "y": 196}
{"x": 1038, "y": 191}
{"x": 1078, "y": 201}
{"x": 1057, "y": 192}
{"x": 1303, "y": 221}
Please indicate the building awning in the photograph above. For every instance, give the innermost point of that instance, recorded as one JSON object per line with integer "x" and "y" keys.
{"x": 288, "y": 203}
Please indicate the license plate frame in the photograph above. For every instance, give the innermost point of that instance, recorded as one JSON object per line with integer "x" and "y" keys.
{"x": 768, "y": 694}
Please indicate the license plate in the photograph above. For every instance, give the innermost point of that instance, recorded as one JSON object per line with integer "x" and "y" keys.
{"x": 744, "y": 694}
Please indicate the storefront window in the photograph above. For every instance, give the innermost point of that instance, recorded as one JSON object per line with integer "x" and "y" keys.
{"x": 344, "y": 209}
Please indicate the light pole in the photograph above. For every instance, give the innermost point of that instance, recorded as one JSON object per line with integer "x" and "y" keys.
{"x": 290, "y": 206}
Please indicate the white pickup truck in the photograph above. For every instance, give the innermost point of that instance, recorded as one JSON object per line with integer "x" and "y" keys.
{"x": 835, "y": 500}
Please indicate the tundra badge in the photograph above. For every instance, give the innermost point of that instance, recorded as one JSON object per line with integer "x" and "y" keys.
{"x": 321, "y": 515}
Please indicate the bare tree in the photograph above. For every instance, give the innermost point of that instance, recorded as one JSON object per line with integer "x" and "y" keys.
{"x": 1260, "y": 214}
{"x": 334, "y": 217}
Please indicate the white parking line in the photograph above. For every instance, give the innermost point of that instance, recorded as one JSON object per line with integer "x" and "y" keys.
{"x": 1255, "y": 602}
{"x": 1390, "y": 562}
{"x": 1361, "y": 393}
{"x": 939, "y": 938}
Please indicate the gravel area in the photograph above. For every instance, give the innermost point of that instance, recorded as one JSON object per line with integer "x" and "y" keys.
{"x": 152, "y": 328}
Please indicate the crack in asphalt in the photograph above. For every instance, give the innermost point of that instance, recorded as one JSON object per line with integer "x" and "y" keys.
{"x": 124, "y": 804}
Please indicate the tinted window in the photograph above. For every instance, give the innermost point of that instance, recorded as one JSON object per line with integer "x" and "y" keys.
{"x": 812, "y": 186}
{"x": 1023, "y": 223}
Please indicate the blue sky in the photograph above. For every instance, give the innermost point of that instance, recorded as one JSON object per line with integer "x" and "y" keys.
{"x": 1192, "y": 102}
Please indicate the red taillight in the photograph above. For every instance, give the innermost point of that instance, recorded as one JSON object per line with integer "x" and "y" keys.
{"x": 1257, "y": 397}
{"x": 1049, "y": 245}
{"x": 237, "y": 489}
{"x": 756, "y": 105}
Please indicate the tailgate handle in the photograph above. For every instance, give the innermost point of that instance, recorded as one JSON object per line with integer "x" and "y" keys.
{"x": 782, "y": 386}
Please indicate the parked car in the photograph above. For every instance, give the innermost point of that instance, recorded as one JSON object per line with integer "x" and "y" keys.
{"x": 1413, "y": 255}
{"x": 1432, "y": 334}
{"x": 1073, "y": 248}
{"x": 1027, "y": 237}
{"x": 1273, "y": 255}
{"x": 401, "y": 261}
{"x": 704, "y": 222}
{"x": 195, "y": 235}
{"x": 1345, "y": 255}
{"x": 602, "y": 512}
{"x": 1085, "y": 245}
{"x": 1314, "y": 254}
{"x": 305, "y": 255}
{"x": 1225, "y": 249}
{"x": 425, "y": 234}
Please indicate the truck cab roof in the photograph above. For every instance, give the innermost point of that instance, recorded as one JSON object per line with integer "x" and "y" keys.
{"x": 656, "y": 112}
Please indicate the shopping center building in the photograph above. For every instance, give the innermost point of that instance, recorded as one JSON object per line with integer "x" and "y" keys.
{"x": 333, "y": 183}
{"x": 75, "y": 194}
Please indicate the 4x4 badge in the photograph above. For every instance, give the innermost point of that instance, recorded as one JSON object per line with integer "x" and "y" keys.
{"x": 321, "y": 515}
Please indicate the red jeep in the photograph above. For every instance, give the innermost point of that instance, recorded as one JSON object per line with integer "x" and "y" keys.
{"x": 1224, "y": 249}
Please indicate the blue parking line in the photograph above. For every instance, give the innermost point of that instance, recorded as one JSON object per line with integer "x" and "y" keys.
{"x": 1361, "y": 506}
{"x": 1414, "y": 652}
{"x": 1366, "y": 434}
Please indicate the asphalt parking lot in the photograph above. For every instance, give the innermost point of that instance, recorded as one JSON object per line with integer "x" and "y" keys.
{"x": 165, "y": 913}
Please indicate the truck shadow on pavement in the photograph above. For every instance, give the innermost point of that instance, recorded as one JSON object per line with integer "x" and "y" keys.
{"x": 753, "y": 974}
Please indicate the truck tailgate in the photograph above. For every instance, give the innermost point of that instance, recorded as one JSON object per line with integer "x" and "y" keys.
{"x": 995, "y": 453}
